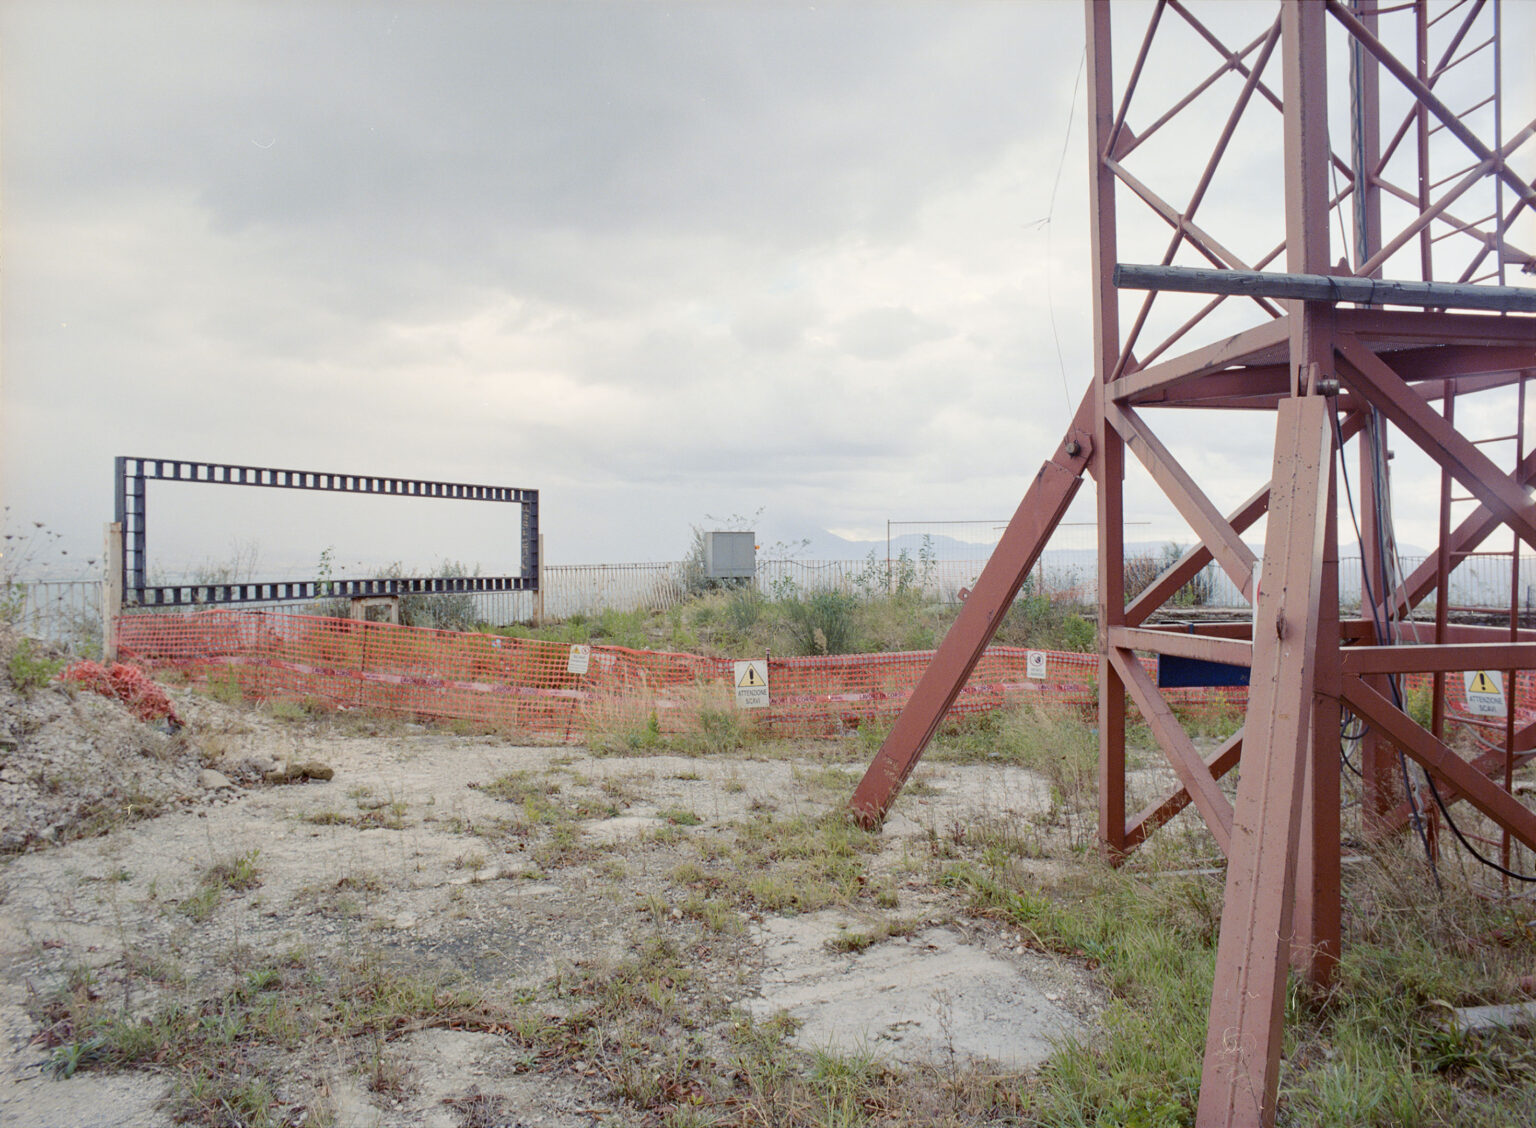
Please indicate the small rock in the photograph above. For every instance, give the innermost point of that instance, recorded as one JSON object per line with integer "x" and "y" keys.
{"x": 311, "y": 769}
{"x": 211, "y": 780}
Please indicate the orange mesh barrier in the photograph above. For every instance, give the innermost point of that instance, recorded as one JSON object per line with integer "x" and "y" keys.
{"x": 525, "y": 684}
{"x": 128, "y": 684}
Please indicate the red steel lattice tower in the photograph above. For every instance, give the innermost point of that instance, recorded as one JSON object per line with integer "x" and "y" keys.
{"x": 1424, "y": 303}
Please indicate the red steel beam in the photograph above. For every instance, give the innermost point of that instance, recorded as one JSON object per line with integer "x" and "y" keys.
{"x": 1239, "y": 1079}
{"x": 1471, "y": 467}
{"x": 1234, "y": 652}
{"x": 1267, "y": 340}
{"x": 1318, "y": 924}
{"x": 1447, "y": 658}
{"x": 1157, "y": 813}
{"x": 1413, "y": 633}
{"x": 1177, "y": 748}
{"x": 1487, "y": 796}
{"x": 1103, "y": 135}
{"x": 1235, "y": 557}
{"x": 1022, "y": 542}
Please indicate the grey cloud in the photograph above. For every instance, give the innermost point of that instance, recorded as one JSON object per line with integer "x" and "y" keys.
{"x": 888, "y": 332}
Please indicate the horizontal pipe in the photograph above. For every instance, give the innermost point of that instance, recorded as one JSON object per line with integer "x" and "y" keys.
{"x": 1325, "y": 288}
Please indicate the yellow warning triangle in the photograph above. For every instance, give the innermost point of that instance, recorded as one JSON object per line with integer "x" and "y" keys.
{"x": 751, "y": 679}
{"x": 1482, "y": 683}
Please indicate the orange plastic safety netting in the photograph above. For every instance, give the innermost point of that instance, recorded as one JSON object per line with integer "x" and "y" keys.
{"x": 536, "y": 687}
{"x": 128, "y": 684}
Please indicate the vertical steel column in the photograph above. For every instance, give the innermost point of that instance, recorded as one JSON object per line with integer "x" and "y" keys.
{"x": 1239, "y": 1079}
{"x": 1319, "y": 909}
{"x": 130, "y": 511}
{"x": 1271, "y": 837}
{"x": 1109, "y": 453}
{"x": 530, "y": 537}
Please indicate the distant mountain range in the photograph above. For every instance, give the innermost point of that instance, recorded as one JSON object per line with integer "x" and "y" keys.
{"x": 825, "y": 545}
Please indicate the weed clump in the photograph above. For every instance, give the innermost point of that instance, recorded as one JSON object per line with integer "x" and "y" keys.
{"x": 29, "y": 670}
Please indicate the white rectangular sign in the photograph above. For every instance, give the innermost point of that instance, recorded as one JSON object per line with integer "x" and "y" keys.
{"x": 1034, "y": 663}
{"x": 1485, "y": 692}
{"x": 752, "y": 684}
{"x": 579, "y": 660}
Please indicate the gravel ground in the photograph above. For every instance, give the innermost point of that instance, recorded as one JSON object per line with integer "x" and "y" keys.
{"x": 410, "y": 857}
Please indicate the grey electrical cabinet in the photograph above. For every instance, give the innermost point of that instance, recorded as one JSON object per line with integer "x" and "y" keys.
{"x": 730, "y": 556}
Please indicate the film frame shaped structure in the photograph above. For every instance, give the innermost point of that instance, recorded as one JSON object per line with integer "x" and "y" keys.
{"x": 132, "y": 476}
{"x": 1333, "y": 366}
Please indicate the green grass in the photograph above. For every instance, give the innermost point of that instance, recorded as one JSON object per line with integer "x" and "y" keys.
{"x": 1371, "y": 1051}
{"x": 216, "y": 1050}
{"x": 236, "y": 874}
{"x": 783, "y": 865}
{"x": 28, "y": 670}
{"x": 741, "y": 622}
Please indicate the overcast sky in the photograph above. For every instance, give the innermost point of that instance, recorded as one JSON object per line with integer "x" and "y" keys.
{"x": 658, "y": 261}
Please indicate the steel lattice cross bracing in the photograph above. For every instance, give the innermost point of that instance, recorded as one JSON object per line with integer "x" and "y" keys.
{"x": 1422, "y": 188}
{"x": 133, "y": 474}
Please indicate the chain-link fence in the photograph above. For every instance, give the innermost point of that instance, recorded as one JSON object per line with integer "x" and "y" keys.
{"x": 69, "y": 611}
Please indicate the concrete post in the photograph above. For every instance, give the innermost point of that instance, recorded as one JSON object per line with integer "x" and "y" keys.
{"x": 111, "y": 590}
{"x": 538, "y": 596}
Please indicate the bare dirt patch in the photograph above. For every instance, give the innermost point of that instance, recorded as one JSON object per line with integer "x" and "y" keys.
{"x": 456, "y": 929}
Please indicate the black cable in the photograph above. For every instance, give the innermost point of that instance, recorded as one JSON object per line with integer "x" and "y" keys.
{"x": 1365, "y": 579}
{"x": 1397, "y": 698}
{"x": 1346, "y": 718}
{"x": 1450, "y": 822}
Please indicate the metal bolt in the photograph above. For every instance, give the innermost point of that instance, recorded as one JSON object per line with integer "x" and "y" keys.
{"x": 1073, "y": 447}
{"x": 1327, "y": 387}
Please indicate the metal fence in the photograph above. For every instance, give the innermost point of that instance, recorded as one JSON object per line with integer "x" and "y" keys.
{"x": 69, "y": 611}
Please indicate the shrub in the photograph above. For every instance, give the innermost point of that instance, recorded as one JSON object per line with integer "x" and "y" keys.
{"x": 1142, "y": 569}
{"x": 29, "y": 671}
{"x": 821, "y": 622}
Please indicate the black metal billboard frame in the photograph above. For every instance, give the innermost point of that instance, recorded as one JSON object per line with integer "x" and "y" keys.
{"x": 132, "y": 476}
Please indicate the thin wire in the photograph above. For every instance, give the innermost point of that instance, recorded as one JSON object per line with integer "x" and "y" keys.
{"x": 1050, "y": 261}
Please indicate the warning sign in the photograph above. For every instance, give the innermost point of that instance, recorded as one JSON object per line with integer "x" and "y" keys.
{"x": 752, "y": 684}
{"x": 1034, "y": 663}
{"x": 1485, "y": 692}
{"x": 580, "y": 658}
